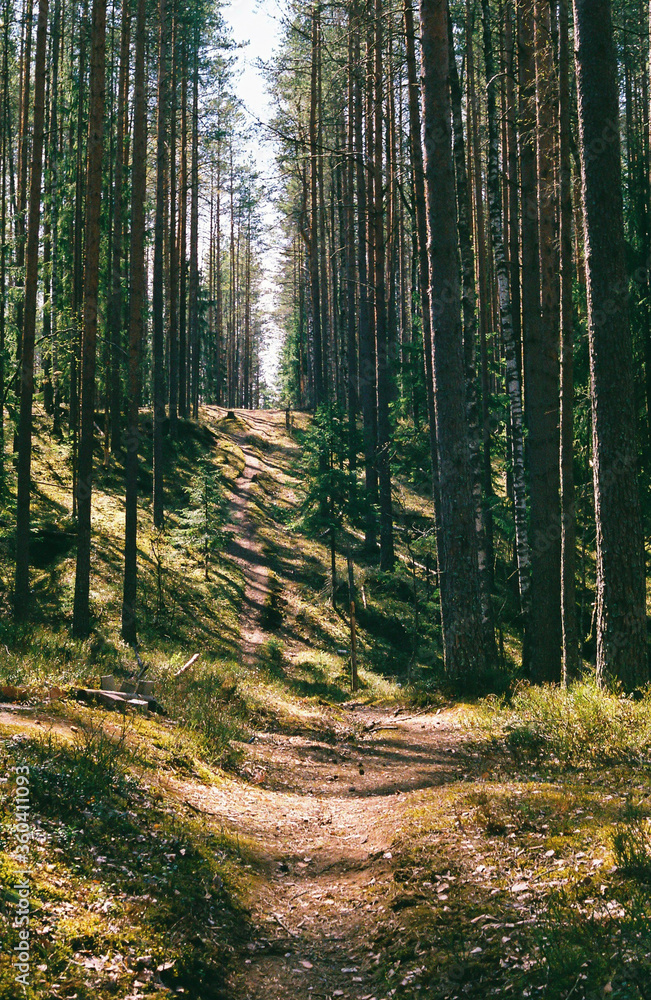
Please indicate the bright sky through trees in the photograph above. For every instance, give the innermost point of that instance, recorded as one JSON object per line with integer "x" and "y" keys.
{"x": 255, "y": 25}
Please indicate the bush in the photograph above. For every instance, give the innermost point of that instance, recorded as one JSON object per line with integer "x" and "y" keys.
{"x": 579, "y": 726}
{"x": 206, "y": 702}
{"x": 631, "y": 842}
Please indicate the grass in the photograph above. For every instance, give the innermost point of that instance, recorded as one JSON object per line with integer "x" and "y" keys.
{"x": 128, "y": 892}
{"x": 530, "y": 876}
{"x": 577, "y": 727}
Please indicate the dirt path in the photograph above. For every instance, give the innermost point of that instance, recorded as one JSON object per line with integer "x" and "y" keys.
{"x": 246, "y": 551}
{"x": 318, "y": 816}
{"x": 317, "y": 821}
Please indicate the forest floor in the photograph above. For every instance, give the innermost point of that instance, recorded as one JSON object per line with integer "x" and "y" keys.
{"x": 356, "y": 847}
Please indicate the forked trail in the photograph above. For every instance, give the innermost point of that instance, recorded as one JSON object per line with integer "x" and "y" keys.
{"x": 318, "y": 818}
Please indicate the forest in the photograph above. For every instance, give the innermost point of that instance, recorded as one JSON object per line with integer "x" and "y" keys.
{"x": 324, "y": 500}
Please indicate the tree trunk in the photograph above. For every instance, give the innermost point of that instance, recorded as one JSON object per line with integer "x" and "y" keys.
{"x": 463, "y": 638}
{"x": 420, "y": 211}
{"x": 158, "y": 291}
{"x": 174, "y": 254}
{"x": 542, "y": 385}
{"x": 570, "y": 660}
{"x": 387, "y": 557}
{"x": 366, "y": 344}
{"x": 468, "y": 299}
{"x": 195, "y": 344}
{"x": 136, "y": 305}
{"x": 351, "y": 268}
{"x": 81, "y": 613}
{"x": 183, "y": 236}
{"x": 621, "y": 599}
{"x": 116, "y": 305}
{"x": 21, "y": 587}
{"x": 314, "y": 213}
{"x": 513, "y": 386}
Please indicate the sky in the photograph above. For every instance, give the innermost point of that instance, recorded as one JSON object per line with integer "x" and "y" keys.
{"x": 257, "y": 23}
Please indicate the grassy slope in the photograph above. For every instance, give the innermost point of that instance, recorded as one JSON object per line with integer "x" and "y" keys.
{"x": 129, "y": 874}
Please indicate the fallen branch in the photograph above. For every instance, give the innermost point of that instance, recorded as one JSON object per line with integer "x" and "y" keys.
{"x": 285, "y": 927}
{"x": 186, "y": 666}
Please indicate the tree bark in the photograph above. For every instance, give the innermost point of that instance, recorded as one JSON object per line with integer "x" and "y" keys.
{"x": 136, "y": 324}
{"x": 542, "y": 386}
{"x": 366, "y": 341}
{"x": 116, "y": 303}
{"x": 513, "y": 385}
{"x": 621, "y": 599}
{"x": 81, "y": 612}
{"x": 463, "y": 636}
{"x": 469, "y": 313}
{"x": 570, "y": 657}
{"x": 23, "y": 506}
{"x": 195, "y": 345}
{"x": 420, "y": 212}
{"x": 387, "y": 557}
{"x": 158, "y": 290}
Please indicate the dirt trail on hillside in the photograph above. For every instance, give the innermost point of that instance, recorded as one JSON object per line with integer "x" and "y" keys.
{"x": 317, "y": 822}
{"x": 245, "y": 549}
{"x": 319, "y": 813}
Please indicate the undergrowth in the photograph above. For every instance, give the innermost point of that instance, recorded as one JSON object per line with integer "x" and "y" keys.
{"x": 574, "y": 727}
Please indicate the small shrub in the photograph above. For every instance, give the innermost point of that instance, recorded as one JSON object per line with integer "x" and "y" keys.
{"x": 206, "y": 702}
{"x": 631, "y": 842}
{"x": 272, "y": 656}
{"x": 576, "y": 727}
{"x": 66, "y": 777}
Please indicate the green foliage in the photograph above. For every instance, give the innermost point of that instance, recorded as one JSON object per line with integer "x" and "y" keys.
{"x": 88, "y": 772}
{"x": 272, "y": 657}
{"x": 206, "y": 702}
{"x": 576, "y": 727}
{"x": 202, "y": 523}
{"x": 331, "y": 488}
{"x": 631, "y": 842}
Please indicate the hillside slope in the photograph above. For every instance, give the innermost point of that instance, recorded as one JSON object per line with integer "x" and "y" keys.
{"x": 272, "y": 836}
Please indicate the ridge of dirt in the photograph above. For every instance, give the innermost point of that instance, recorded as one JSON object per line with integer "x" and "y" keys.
{"x": 317, "y": 822}
{"x": 319, "y": 812}
{"x": 246, "y": 551}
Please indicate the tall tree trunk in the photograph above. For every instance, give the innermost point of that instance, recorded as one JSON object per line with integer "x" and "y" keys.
{"x": 513, "y": 385}
{"x": 55, "y": 279}
{"x": 621, "y": 599}
{"x": 158, "y": 290}
{"x": 479, "y": 228}
{"x": 23, "y": 157}
{"x": 116, "y": 306}
{"x": 23, "y": 506}
{"x": 315, "y": 277}
{"x": 351, "y": 268}
{"x": 136, "y": 306}
{"x": 542, "y": 387}
{"x": 420, "y": 210}
{"x": 6, "y": 112}
{"x": 463, "y": 637}
{"x": 570, "y": 662}
{"x": 381, "y": 332}
{"x": 78, "y": 258}
{"x": 174, "y": 251}
{"x": 366, "y": 341}
{"x": 468, "y": 297}
{"x": 81, "y": 612}
{"x": 183, "y": 236}
{"x": 194, "y": 238}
